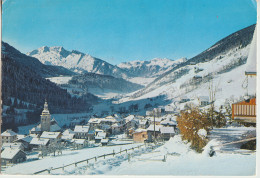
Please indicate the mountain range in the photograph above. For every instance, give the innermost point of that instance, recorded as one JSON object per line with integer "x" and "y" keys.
{"x": 80, "y": 63}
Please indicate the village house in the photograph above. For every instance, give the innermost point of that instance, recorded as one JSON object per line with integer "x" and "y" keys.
{"x": 204, "y": 101}
{"x": 131, "y": 122}
{"x": 157, "y": 120}
{"x": 80, "y": 143}
{"x": 116, "y": 128}
{"x": 104, "y": 141}
{"x": 244, "y": 111}
{"x": 149, "y": 113}
{"x": 8, "y": 136}
{"x": 151, "y": 130}
{"x": 140, "y": 135}
{"x": 68, "y": 134}
{"x": 14, "y": 145}
{"x": 100, "y": 136}
{"x": 81, "y": 131}
{"x": 26, "y": 142}
{"x": 37, "y": 142}
{"x": 12, "y": 155}
{"x": 169, "y": 109}
{"x": 184, "y": 99}
{"x": 54, "y": 137}
{"x": 169, "y": 123}
{"x": 143, "y": 123}
{"x": 167, "y": 133}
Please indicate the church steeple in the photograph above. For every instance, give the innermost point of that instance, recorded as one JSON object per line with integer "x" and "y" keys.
{"x": 45, "y": 118}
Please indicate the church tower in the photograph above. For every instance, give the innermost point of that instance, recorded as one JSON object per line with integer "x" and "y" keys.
{"x": 45, "y": 118}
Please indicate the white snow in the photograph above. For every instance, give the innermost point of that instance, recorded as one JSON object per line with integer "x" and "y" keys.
{"x": 202, "y": 133}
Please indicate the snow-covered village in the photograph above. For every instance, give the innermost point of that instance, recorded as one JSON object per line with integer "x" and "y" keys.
{"x": 65, "y": 112}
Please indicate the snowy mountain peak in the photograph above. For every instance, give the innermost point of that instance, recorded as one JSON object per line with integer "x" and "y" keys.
{"x": 152, "y": 68}
{"x": 76, "y": 61}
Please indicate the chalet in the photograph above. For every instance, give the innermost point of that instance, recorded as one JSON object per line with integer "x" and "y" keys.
{"x": 197, "y": 77}
{"x": 12, "y": 155}
{"x": 184, "y": 99}
{"x": 14, "y": 145}
{"x": 104, "y": 141}
{"x": 81, "y": 131}
{"x": 143, "y": 123}
{"x": 140, "y": 135}
{"x": 26, "y": 142}
{"x": 8, "y": 136}
{"x": 204, "y": 100}
{"x": 54, "y": 137}
{"x": 244, "y": 111}
{"x": 131, "y": 122}
{"x": 157, "y": 120}
{"x": 169, "y": 109}
{"x": 169, "y": 123}
{"x": 167, "y": 133}
{"x": 37, "y": 142}
{"x": 151, "y": 130}
{"x": 100, "y": 136}
{"x": 79, "y": 143}
{"x": 68, "y": 135}
{"x": 116, "y": 128}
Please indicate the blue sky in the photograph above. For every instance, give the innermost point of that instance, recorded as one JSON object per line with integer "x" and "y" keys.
{"x": 124, "y": 30}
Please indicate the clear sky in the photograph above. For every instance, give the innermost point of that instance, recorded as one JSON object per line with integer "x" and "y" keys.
{"x": 124, "y": 30}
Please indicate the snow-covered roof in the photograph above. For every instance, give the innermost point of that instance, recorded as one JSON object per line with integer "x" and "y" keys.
{"x": 101, "y": 135}
{"x": 20, "y": 136}
{"x": 26, "y": 139}
{"x": 9, "y": 133}
{"x": 157, "y": 119}
{"x": 9, "y": 153}
{"x": 168, "y": 122}
{"x": 165, "y": 130}
{"x": 50, "y": 134}
{"x": 79, "y": 141}
{"x": 151, "y": 127}
{"x": 39, "y": 141}
{"x": 204, "y": 98}
{"x": 81, "y": 128}
{"x": 251, "y": 60}
{"x": 129, "y": 118}
{"x": 13, "y": 145}
{"x": 68, "y": 134}
{"x": 104, "y": 140}
{"x": 140, "y": 130}
{"x": 143, "y": 121}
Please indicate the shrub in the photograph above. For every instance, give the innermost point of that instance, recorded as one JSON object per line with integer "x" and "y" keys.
{"x": 190, "y": 122}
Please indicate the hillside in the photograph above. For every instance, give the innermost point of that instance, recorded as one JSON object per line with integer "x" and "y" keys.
{"x": 222, "y": 57}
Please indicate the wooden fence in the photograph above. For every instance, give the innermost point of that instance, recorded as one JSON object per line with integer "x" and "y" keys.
{"x": 87, "y": 160}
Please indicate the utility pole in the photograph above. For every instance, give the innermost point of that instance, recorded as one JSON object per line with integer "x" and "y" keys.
{"x": 154, "y": 125}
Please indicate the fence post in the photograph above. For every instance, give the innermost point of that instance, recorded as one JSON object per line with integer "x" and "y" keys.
{"x": 75, "y": 164}
{"x": 126, "y": 150}
{"x": 63, "y": 167}
{"x": 113, "y": 153}
{"x": 128, "y": 157}
{"x": 95, "y": 159}
{"x": 104, "y": 156}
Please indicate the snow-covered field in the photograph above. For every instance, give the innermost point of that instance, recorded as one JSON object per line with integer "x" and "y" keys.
{"x": 68, "y": 156}
{"x": 173, "y": 158}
